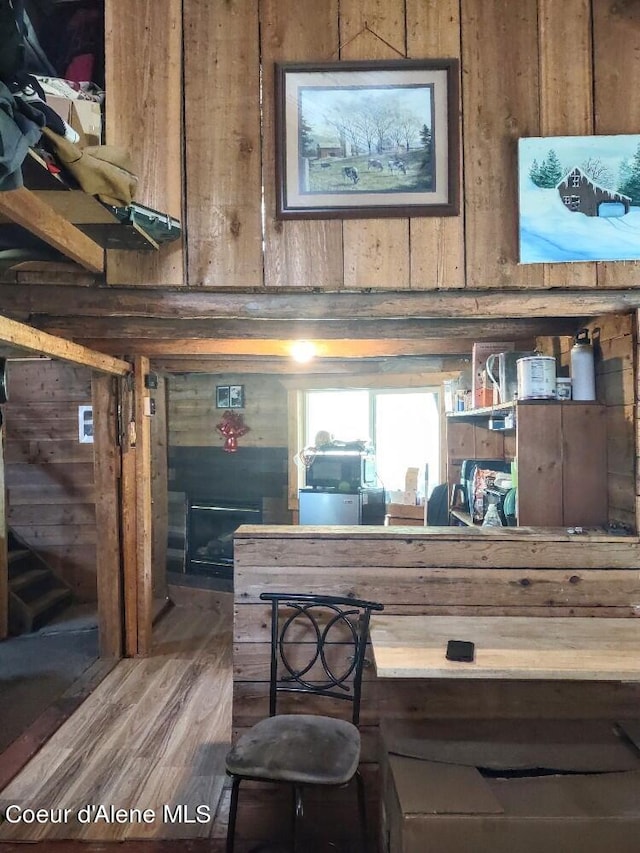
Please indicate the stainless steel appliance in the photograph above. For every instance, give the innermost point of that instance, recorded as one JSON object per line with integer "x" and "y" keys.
{"x": 366, "y": 506}
{"x": 348, "y": 467}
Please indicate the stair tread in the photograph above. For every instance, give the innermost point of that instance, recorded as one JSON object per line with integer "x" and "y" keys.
{"x": 51, "y": 597}
{"x": 17, "y": 554}
{"x": 27, "y": 578}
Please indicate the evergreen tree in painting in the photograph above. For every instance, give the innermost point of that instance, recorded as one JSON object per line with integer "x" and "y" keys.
{"x": 307, "y": 147}
{"x": 549, "y": 173}
{"x": 631, "y": 186}
{"x": 426, "y": 165}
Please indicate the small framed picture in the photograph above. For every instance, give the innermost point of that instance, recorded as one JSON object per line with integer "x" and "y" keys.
{"x": 222, "y": 396}
{"x": 236, "y": 396}
{"x": 85, "y": 424}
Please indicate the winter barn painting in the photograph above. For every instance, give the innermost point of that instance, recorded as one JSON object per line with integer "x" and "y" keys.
{"x": 579, "y": 198}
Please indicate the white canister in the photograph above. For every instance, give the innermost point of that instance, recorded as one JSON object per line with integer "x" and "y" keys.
{"x": 536, "y": 377}
{"x": 563, "y": 388}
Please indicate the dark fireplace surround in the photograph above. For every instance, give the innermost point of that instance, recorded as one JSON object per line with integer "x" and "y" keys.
{"x": 223, "y": 490}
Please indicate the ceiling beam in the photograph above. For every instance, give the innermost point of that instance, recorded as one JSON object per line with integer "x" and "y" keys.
{"x": 58, "y": 301}
{"x": 138, "y": 328}
{"x": 32, "y": 340}
{"x": 371, "y": 348}
{"x": 286, "y": 367}
{"x": 25, "y": 208}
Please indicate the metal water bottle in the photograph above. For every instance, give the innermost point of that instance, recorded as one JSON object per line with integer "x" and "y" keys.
{"x": 583, "y": 375}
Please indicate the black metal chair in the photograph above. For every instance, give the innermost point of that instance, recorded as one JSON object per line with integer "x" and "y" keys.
{"x": 317, "y": 647}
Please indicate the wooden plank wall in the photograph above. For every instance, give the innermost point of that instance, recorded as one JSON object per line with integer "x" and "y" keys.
{"x": 615, "y": 347}
{"x": 515, "y": 82}
{"x": 143, "y": 76}
{"x": 193, "y": 414}
{"x": 49, "y": 474}
{"x": 425, "y": 574}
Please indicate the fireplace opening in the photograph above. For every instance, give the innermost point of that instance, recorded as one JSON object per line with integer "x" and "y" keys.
{"x": 211, "y": 525}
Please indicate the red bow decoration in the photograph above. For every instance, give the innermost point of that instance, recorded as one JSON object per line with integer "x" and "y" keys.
{"x": 232, "y": 427}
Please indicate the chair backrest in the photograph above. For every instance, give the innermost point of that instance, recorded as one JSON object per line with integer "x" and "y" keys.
{"x": 318, "y": 645}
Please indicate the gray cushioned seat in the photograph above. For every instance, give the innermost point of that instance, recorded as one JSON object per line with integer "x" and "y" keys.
{"x": 302, "y": 748}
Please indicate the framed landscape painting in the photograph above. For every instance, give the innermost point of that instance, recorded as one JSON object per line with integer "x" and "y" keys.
{"x": 579, "y": 198}
{"x": 363, "y": 139}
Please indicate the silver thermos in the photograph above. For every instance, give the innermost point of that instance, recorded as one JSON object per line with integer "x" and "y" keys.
{"x": 583, "y": 375}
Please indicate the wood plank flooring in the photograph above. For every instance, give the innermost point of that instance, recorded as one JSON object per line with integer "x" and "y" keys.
{"x": 153, "y": 736}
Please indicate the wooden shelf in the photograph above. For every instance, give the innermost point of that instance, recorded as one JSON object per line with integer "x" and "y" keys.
{"x": 462, "y": 516}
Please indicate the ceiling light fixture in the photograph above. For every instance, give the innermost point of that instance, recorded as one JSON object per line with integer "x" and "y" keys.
{"x": 302, "y": 351}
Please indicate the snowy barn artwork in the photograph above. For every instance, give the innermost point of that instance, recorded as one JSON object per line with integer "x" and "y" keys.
{"x": 579, "y": 198}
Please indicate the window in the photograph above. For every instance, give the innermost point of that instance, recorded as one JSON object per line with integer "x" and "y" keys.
{"x": 403, "y": 425}
{"x": 575, "y": 180}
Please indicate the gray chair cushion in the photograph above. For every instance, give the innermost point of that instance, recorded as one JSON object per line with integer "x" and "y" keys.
{"x": 302, "y": 748}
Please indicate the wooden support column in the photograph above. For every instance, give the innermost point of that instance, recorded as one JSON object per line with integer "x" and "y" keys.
{"x": 159, "y": 489}
{"x": 106, "y": 465}
{"x": 136, "y": 514}
{"x": 143, "y": 504}
{"x": 4, "y": 561}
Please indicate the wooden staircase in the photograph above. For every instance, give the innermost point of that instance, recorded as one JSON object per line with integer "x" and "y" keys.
{"x": 36, "y": 594}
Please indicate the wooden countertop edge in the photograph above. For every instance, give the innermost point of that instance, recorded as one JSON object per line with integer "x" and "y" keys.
{"x": 502, "y": 534}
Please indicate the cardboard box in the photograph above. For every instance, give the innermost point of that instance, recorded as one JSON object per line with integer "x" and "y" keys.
{"x": 85, "y": 117}
{"x": 514, "y": 785}
{"x": 479, "y": 355}
{"x": 405, "y": 514}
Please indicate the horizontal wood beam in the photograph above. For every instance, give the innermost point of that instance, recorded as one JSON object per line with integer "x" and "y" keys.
{"x": 361, "y": 368}
{"x": 26, "y": 209}
{"x": 283, "y": 349}
{"x": 137, "y": 328}
{"x": 32, "y": 340}
{"x": 58, "y": 301}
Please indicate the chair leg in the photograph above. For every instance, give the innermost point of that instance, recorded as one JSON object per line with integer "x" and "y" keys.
{"x": 233, "y": 809}
{"x": 297, "y": 812}
{"x": 362, "y": 808}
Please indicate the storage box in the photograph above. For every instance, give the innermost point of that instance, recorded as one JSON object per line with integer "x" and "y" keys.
{"x": 406, "y": 514}
{"x": 502, "y": 786}
{"x": 85, "y": 117}
{"x": 479, "y": 355}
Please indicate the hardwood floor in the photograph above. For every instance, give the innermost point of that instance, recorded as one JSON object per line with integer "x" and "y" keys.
{"x": 150, "y": 741}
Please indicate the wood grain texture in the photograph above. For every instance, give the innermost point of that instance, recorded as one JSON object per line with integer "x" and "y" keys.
{"x": 193, "y": 413}
{"x": 45, "y": 461}
{"x": 500, "y": 86}
{"x": 436, "y": 243}
{"x": 514, "y": 647}
{"x": 376, "y": 251}
{"x": 616, "y": 62}
{"x": 298, "y": 253}
{"x": 566, "y": 99}
{"x": 144, "y": 513}
{"x": 41, "y": 343}
{"x": 106, "y": 462}
{"x": 222, "y": 127}
{"x": 143, "y": 57}
{"x": 154, "y": 732}
{"x": 159, "y": 489}
{"x": 24, "y": 208}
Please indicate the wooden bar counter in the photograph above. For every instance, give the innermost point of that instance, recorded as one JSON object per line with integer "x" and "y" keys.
{"x": 439, "y": 571}
{"x": 442, "y": 571}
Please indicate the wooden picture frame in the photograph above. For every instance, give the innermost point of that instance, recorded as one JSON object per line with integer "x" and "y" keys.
{"x": 236, "y": 396}
{"x": 367, "y": 139}
{"x": 222, "y": 396}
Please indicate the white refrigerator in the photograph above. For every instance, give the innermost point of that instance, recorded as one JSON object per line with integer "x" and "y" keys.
{"x": 318, "y": 507}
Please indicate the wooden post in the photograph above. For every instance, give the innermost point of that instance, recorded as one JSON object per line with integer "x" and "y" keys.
{"x": 143, "y": 505}
{"x": 106, "y": 465}
{"x": 4, "y": 559}
{"x": 159, "y": 490}
{"x": 128, "y": 499}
